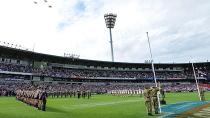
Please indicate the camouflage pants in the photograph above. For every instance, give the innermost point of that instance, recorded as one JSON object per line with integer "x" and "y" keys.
{"x": 155, "y": 104}
{"x": 40, "y": 104}
{"x": 202, "y": 97}
{"x": 148, "y": 105}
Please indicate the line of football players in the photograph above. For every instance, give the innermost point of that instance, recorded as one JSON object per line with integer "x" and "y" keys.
{"x": 65, "y": 94}
{"x": 35, "y": 98}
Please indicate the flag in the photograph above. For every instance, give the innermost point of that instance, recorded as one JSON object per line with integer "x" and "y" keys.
{"x": 202, "y": 74}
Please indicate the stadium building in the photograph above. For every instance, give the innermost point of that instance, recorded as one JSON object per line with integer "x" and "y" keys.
{"x": 32, "y": 67}
{"x": 24, "y": 73}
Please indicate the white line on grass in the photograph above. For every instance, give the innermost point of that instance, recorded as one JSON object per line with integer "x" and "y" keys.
{"x": 81, "y": 106}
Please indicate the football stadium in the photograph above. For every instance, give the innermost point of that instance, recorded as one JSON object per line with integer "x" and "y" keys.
{"x": 87, "y": 88}
{"x": 166, "y": 75}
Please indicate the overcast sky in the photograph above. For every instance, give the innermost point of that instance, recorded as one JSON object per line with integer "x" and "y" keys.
{"x": 178, "y": 29}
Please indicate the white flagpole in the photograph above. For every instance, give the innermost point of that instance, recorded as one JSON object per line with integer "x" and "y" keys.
{"x": 153, "y": 70}
{"x": 196, "y": 81}
{"x": 33, "y": 47}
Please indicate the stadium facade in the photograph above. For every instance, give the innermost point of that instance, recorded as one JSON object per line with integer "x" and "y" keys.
{"x": 32, "y": 67}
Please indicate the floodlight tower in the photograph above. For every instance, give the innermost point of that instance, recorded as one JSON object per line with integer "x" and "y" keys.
{"x": 110, "y": 19}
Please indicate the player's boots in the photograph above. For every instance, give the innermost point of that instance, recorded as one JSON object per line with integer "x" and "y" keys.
{"x": 149, "y": 114}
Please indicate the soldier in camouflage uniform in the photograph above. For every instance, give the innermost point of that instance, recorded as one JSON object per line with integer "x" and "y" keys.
{"x": 154, "y": 96}
{"x": 88, "y": 94}
{"x": 162, "y": 96}
{"x": 148, "y": 100}
{"x": 202, "y": 94}
{"x": 36, "y": 98}
{"x": 44, "y": 100}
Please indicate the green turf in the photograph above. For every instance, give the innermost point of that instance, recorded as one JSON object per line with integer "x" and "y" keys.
{"x": 99, "y": 106}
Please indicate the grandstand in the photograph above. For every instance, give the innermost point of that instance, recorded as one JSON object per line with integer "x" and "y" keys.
{"x": 37, "y": 83}
{"x": 33, "y": 67}
{"x": 63, "y": 76}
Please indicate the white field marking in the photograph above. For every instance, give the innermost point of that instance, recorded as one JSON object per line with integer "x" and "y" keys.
{"x": 175, "y": 104}
{"x": 200, "y": 115}
{"x": 175, "y": 107}
{"x": 170, "y": 113}
{"x": 203, "y": 111}
{"x": 181, "y": 107}
{"x": 185, "y": 105}
{"x": 81, "y": 106}
{"x": 206, "y": 109}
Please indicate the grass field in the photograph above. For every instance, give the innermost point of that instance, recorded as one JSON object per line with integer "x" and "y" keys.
{"x": 99, "y": 106}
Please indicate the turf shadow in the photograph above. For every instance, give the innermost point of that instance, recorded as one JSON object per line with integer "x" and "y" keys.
{"x": 52, "y": 109}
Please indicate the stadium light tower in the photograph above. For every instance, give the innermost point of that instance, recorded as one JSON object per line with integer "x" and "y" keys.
{"x": 110, "y": 19}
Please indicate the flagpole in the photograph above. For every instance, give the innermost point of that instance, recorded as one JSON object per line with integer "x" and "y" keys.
{"x": 196, "y": 81}
{"x": 153, "y": 70}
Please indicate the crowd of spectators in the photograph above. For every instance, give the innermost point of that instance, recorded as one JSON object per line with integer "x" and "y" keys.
{"x": 15, "y": 68}
{"x": 181, "y": 88}
{"x": 8, "y": 89}
{"x": 87, "y": 73}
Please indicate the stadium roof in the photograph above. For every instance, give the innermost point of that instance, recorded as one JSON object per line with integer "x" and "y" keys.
{"x": 25, "y": 54}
